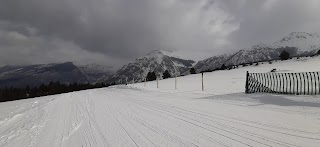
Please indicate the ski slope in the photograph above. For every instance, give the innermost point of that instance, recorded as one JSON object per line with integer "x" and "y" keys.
{"x": 135, "y": 115}
{"x": 230, "y": 81}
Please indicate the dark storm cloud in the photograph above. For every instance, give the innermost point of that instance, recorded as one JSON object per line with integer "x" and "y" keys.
{"x": 117, "y": 31}
{"x": 269, "y": 20}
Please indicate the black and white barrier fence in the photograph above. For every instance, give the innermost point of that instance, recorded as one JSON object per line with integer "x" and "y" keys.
{"x": 302, "y": 83}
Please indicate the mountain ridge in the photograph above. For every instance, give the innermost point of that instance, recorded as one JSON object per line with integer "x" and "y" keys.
{"x": 35, "y": 75}
{"x": 296, "y": 43}
{"x": 155, "y": 60}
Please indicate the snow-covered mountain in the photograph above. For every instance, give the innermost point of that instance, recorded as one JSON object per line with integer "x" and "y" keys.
{"x": 34, "y": 75}
{"x": 211, "y": 63}
{"x": 95, "y": 72}
{"x": 157, "y": 61}
{"x": 296, "y": 43}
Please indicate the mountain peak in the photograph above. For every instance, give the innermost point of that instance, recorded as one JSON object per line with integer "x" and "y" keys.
{"x": 155, "y": 52}
{"x": 157, "y": 61}
{"x": 299, "y": 36}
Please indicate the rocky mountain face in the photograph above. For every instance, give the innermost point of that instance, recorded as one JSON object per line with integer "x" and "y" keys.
{"x": 35, "y": 75}
{"x": 296, "y": 43}
{"x": 157, "y": 61}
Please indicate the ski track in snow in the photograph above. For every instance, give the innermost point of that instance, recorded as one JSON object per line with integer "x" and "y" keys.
{"x": 122, "y": 116}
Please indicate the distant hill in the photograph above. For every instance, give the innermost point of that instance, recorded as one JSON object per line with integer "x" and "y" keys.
{"x": 34, "y": 75}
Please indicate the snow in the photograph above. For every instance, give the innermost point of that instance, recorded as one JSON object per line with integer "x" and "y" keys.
{"x": 303, "y": 41}
{"x": 232, "y": 81}
{"x": 135, "y": 115}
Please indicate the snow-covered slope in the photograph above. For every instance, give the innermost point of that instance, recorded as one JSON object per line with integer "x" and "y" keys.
{"x": 157, "y": 61}
{"x": 296, "y": 43}
{"x": 135, "y": 115}
{"x": 34, "y": 75}
{"x": 232, "y": 81}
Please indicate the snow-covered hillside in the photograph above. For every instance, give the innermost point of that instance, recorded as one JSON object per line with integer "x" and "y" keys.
{"x": 296, "y": 43}
{"x": 157, "y": 61}
{"x": 232, "y": 81}
{"x": 135, "y": 115}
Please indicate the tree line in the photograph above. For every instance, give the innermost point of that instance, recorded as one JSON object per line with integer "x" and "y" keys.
{"x": 151, "y": 76}
{"x": 11, "y": 93}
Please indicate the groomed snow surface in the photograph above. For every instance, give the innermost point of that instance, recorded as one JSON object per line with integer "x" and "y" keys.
{"x": 135, "y": 115}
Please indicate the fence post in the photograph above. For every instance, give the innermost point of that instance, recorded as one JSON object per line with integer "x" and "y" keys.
{"x": 307, "y": 75}
{"x": 318, "y": 82}
{"x": 247, "y": 82}
{"x": 133, "y": 81}
{"x": 304, "y": 84}
{"x": 126, "y": 80}
{"x": 175, "y": 82}
{"x": 285, "y": 74}
{"x": 202, "y": 81}
{"x": 300, "y": 74}
{"x": 311, "y": 85}
{"x": 157, "y": 83}
{"x": 315, "y": 83}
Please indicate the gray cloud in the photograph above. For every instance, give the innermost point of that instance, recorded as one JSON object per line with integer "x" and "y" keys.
{"x": 114, "y": 32}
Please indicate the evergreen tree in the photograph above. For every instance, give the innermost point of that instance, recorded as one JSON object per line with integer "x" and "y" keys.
{"x": 192, "y": 71}
{"x": 284, "y": 55}
{"x": 151, "y": 76}
{"x": 166, "y": 75}
{"x": 223, "y": 67}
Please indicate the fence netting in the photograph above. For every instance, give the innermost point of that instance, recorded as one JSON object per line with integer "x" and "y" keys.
{"x": 303, "y": 83}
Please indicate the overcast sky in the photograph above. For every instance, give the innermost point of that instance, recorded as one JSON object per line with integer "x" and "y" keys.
{"x": 114, "y": 32}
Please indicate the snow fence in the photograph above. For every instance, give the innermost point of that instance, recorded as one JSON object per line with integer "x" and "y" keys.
{"x": 302, "y": 83}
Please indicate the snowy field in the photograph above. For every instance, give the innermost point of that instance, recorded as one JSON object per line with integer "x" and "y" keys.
{"x": 135, "y": 115}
